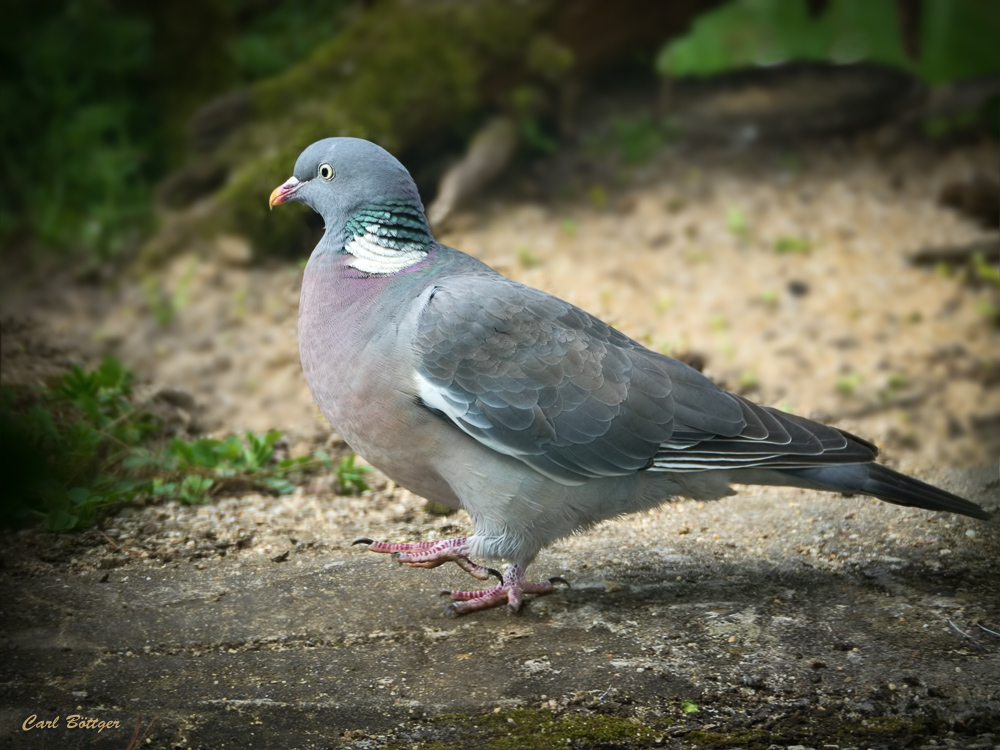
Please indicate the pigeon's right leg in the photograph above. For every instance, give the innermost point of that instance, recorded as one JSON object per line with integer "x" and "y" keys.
{"x": 432, "y": 554}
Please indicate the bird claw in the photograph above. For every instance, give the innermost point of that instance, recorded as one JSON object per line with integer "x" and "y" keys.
{"x": 478, "y": 571}
{"x": 432, "y": 554}
{"x": 511, "y": 586}
{"x": 510, "y": 590}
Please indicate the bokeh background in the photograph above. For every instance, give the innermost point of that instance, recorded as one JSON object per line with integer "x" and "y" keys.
{"x": 112, "y": 109}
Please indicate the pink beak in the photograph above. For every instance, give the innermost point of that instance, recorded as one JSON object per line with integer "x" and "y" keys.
{"x": 284, "y": 192}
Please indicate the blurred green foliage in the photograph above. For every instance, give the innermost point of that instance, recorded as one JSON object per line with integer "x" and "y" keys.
{"x": 638, "y": 138}
{"x": 958, "y": 37}
{"x": 281, "y": 34}
{"x": 55, "y": 444}
{"x": 85, "y": 444}
{"x": 71, "y": 130}
{"x": 350, "y": 476}
{"x": 95, "y": 95}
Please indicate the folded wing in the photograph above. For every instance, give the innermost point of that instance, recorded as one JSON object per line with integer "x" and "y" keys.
{"x": 536, "y": 378}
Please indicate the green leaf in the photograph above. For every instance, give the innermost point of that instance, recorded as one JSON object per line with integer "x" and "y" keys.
{"x": 58, "y": 502}
{"x": 206, "y": 452}
{"x": 142, "y": 458}
{"x": 194, "y": 489}
{"x": 126, "y": 486}
{"x": 259, "y": 449}
{"x": 78, "y": 495}
{"x": 349, "y": 476}
{"x": 230, "y": 449}
{"x": 281, "y": 486}
{"x": 112, "y": 374}
{"x": 61, "y": 520}
{"x": 163, "y": 488}
{"x": 182, "y": 450}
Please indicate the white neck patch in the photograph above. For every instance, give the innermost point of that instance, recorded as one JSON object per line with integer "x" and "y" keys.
{"x": 372, "y": 254}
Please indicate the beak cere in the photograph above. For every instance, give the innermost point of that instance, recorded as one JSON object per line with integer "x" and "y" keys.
{"x": 284, "y": 192}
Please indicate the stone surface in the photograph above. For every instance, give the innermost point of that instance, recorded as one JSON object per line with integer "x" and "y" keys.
{"x": 836, "y": 617}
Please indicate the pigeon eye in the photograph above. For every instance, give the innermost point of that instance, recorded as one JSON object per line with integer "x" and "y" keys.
{"x": 326, "y": 172}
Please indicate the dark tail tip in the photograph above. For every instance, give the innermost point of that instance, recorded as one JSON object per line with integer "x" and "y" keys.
{"x": 893, "y": 487}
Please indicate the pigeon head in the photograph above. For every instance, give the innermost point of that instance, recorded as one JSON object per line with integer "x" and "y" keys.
{"x": 335, "y": 176}
{"x": 367, "y": 199}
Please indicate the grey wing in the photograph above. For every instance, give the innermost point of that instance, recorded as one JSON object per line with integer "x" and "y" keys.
{"x": 534, "y": 377}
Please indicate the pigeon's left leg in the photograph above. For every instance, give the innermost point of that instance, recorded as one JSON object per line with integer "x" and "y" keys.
{"x": 509, "y": 590}
{"x": 432, "y": 554}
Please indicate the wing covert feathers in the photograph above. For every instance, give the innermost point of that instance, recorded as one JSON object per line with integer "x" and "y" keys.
{"x": 536, "y": 378}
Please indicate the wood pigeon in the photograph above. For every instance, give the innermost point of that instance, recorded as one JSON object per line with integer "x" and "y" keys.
{"x": 538, "y": 419}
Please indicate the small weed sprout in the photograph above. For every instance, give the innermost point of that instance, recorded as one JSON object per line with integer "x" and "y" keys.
{"x": 769, "y": 297}
{"x": 527, "y": 258}
{"x": 598, "y": 195}
{"x": 894, "y": 383}
{"x": 792, "y": 246}
{"x": 848, "y": 384}
{"x": 736, "y": 220}
{"x": 664, "y": 304}
{"x": 748, "y": 381}
{"x": 986, "y": 272}
{"x": 350, "y": 477}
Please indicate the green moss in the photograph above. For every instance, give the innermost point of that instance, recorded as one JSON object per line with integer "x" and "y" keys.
{"x": 541, "y": 729}
{"x": 793, "y": 730}
{"x": 401, "y": 73}
{"x": 809, "y": 730}
{"x": 752, "y": 738}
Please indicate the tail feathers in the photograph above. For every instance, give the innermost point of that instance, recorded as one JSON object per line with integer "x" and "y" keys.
{"x": 886, "y": 484}
{"x": 893, "y": 487}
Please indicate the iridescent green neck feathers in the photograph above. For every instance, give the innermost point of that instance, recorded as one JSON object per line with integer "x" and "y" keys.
{"x": 387, "y": 237}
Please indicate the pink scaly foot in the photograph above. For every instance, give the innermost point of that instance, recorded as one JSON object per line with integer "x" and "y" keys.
{"x": 432, "y": 554}
{"x": 509, "y": 590}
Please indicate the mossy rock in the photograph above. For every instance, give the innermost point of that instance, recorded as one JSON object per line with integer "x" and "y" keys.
{"x": 399, "y": 74}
